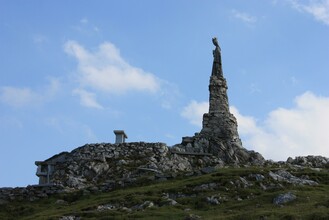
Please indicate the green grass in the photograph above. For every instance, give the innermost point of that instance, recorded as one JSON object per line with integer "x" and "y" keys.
{"x": 312, "y": 201}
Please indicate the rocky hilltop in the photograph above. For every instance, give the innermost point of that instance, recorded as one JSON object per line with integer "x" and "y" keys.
{"x": 282, "y": 190}
{"x": 112, "y": 165}
{"x": 216, "y": 145}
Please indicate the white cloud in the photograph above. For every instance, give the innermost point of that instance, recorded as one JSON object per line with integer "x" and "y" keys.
{"x": 168, "y": 94}
{"x": 105, "y": 70}
{"x": 194, "y": 112}
{"x": 20, "y": 97}
{"x": 318, "y": 8}
{"x": 53, "y": 87}
{"x": 300, "y": 130}
{"x": 247, "y": 18}
{"x": 87, "y": 99}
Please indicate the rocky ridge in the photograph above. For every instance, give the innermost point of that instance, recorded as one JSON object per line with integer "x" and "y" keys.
{"x": 223, "y": 191}
{"x": 103, "y": 169}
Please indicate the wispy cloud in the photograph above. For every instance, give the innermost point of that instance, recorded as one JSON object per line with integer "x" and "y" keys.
{"x": 318, "y": 8}
{"x": 84, "y": 21}
{"x": 168, "y": 94}
{"x": 194, "y": 111}
{"x": 254, "y": 88}
{"x": 8, "y": 122}
{"x": 86, "y": 27}
{"x": 39, "y": 38}
{"x": 294, "y": 81}
{"x": 25, "y": 96}
{"x": 87, "y": 99}
{"x": 245, "y": 17}
{"x": 53, "y": 87}
{"x": 301, "y": 130}
{"x": 68, "y": 126}
{"x": 18, "y": 97}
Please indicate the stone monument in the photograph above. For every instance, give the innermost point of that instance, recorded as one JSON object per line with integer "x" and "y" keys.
{"x": 219, "y": 135}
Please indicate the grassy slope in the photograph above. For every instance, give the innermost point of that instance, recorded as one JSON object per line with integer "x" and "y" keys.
{"x": 312, "y": 201}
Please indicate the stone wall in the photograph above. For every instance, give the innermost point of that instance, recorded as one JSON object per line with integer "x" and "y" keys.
{"x": 111, "y": 165}
{"x": 30, "y": 193}
{"x": 104, "y": 167}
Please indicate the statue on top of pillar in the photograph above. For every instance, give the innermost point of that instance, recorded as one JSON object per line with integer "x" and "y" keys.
{"x": 217, "y": 65}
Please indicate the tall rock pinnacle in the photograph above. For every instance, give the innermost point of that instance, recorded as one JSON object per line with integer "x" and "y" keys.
{"x": 219, "y": 135}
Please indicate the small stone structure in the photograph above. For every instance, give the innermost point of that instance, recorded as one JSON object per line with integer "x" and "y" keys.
{"x": 46, "y": 168}
{"x": 44, "y": 171}
{"x": 120, "y": 136}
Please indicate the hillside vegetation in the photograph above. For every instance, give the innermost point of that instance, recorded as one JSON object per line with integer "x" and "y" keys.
{"x": 272, "y": 192}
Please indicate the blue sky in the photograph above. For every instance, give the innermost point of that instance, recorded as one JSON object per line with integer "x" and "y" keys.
{"x": 74, "y": 71}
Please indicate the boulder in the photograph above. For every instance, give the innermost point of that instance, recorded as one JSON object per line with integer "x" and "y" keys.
{"x": 285, "y": 176}
{"x": 284, "y": 198}
{"x": 310, "y": 161}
